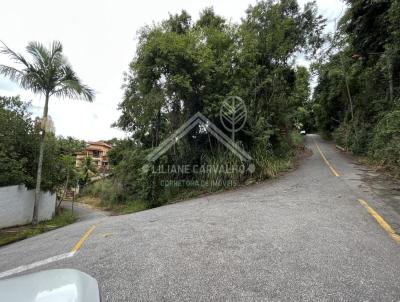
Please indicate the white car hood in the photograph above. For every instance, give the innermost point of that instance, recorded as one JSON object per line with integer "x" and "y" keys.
{"x": 59, "y": 285}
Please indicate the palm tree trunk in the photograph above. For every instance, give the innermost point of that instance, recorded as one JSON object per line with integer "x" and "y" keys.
{"x": 40, "y": 162}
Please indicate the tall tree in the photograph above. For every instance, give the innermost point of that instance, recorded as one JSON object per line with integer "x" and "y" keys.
{"x": 49, "y": 74}
{"x": 16, "y": 141}
{"x": 182, "y": 67}
{"x": 359, "y": 77}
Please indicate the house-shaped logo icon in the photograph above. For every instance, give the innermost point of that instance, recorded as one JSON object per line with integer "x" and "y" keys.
{"x": 196, "y": 120}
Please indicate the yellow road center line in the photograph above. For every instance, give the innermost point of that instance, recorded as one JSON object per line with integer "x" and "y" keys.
{"x": 381, "y": 221}
{"x": 333, "y": 170}
{"x": 33, "y": 265}
{"x": 81, "y": 241}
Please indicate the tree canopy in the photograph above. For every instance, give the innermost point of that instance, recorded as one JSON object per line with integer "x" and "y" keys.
{"x": 359, "y": 79}
{"x": 19, "y": 148}
{"x": 183, "y": 66}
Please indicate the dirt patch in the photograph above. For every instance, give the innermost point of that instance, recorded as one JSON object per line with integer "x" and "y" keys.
{"x": 90, "y": 202}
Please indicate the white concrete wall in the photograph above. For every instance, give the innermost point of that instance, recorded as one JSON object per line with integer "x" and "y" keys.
{"x": 16, "y": 206}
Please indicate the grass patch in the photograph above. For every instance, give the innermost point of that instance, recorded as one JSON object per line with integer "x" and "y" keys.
{"x": 128, "y": 208}
{"x": 297, "y": 139}
{"x": 99, "y": 201}
{"x": 92, "y": 201}
{"x": 103, "y": 194}
{"x": 9, "y": 235}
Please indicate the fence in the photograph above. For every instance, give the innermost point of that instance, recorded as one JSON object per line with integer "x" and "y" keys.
{"x": 16, "y": 206}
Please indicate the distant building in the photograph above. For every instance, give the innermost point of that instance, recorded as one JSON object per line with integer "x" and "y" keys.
{"x": 98, "y": 152}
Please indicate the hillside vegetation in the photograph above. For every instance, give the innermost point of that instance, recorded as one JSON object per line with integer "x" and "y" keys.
{"x": 357, "y": 98}
{"x": 183, "y": 66}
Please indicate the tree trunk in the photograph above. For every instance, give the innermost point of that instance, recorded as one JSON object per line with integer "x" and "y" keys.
{"x": 154, "y": 183}
{"x": 40, "y": 162}
{"x": 390, "y": 75}
{"x": 64, "y": 192}
{"x": 347, "y": 88}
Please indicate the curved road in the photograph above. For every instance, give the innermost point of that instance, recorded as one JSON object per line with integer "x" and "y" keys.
{"x": 302, "y": 237}
{"x": 84, "y": 212}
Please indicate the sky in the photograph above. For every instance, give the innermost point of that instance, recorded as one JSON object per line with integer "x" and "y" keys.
{"x": 99, "y": 39}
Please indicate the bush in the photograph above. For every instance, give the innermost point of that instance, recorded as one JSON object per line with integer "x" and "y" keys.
{"x": 223, "y": 159}
{"x": 269, "y": 165}
{"x": 385, "y": 145}
{"x": 356, "y": 140}
{"x": 106, "y": 190}
{"x": 297, "y": 140}
{"x": 133, "y": 187}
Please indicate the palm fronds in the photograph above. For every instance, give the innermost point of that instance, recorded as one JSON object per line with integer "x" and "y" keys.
{"x": 48, "y": 72}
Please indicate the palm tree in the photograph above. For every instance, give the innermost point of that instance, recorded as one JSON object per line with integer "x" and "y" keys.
{"x": 50, "y": 74}
{"x": 88, "y": 169}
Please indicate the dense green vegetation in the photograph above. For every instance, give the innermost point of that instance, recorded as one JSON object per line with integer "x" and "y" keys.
{"x": 357, "y": 98}
{"x": 49, "y": 73}
{"x": 183, "y": 66}
{"x": 19, "y": 149}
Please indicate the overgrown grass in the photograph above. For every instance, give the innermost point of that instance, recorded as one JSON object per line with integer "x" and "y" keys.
{"x": 384, "y": 148}
{"x": 104, "y": 189}
{"x": 9, "y": 235}
{"x": 297, "y": 139}
{"x": 270, "y": 166}
{"x": 130, "y": 207}
{"x": 378, "y": 145}
{"x": 106, "y": 195}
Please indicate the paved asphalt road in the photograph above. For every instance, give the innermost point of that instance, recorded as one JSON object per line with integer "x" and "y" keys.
{"x": 302, "y": 237}
{"x": 83, "y": 212}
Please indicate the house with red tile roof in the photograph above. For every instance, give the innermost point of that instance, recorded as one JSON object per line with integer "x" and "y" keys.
{"x": 98, "y": 151}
